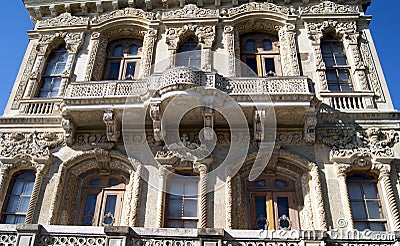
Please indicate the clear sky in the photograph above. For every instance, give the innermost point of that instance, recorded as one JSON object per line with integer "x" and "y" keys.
{"x": 14, "y": 22}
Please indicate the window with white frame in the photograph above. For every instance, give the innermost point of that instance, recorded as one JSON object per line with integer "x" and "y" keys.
{"x": 123, "y": 59}
{"x": 18, "y": 198}
{"x": 51, "y": 78}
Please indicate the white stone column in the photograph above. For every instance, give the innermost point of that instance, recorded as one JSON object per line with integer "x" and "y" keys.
{"x": 320, "y": 214}
{"x": 229, "y": 33}
{"x": 344, "y": 194}
{"x": 4, "y": 175}
{"x": 228, "y": 200}
{"x": 163, "y": 173}
{"x": 203, "y": 196}
{"x": 136, "y": 196}
{"x": 34, "y": 197}
{"x": 288, "y": 50}
{"x": 148, "y": 49}
{"x": 357, "y": 67}
{"x": 388, "y": 199}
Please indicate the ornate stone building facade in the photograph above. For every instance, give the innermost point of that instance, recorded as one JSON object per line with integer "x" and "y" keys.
{"x": 84, "y": 153}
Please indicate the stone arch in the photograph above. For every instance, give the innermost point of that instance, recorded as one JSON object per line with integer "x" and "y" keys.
{"x": 97, "y": 160}
{"x": 119, "y": 30}
{"x": 304, "y": 173}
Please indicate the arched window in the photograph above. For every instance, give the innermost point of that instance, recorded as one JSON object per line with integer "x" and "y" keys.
{"x": 102, "y": 197}
{"x": 272, "y": 203}
{"x": 123, "y": 59}
{"x": 260, "y": 52}
{"x": 18, "y": 198}
{"x": 337, "y": 68}
{"x": 190, "y": 59}
{"x": 182, "y": 205}
{"x": 366, "y": 207}
{"x": 51, "y": 78}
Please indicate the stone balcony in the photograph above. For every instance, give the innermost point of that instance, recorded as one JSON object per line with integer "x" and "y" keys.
{"x": 30, "y": 235}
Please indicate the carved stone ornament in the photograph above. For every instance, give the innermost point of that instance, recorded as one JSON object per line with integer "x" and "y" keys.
{"x": 122, "y": 13}
{"x": 69, "y": 130}
{"x": 359, "y": 146}
{"x": 344, "y": 28}
{"x": 190, "y": 11}
{"x": 103, "y": 159}
{"x": 255, "y": 6}
{"x": 112, "y": 125}
{"x": 34, "y": 144}
{"x": 328, "y": 7}
{"x": 310, "y": 123}
{"x": 205, "y": 35}
{"x": 63, "y": 20}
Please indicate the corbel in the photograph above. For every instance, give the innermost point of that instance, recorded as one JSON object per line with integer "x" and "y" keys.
{"x": 112, "y": 125}
{"x": 310, "y": 123}
{"x": 155, "y": 114}
{"x": 259, "y": 119}
{"x": 208, "y": 115}
{"x": 69, "y": 130}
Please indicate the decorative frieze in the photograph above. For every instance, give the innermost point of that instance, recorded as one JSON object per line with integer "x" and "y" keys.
{"x": 256, "y": 6}
{"x": 63, "y": 20}
{"x": 328, "y": 7}
{"x": 190, "y": 11}
{"x": 350, "y": 145}
{"x": 123, "y": 13}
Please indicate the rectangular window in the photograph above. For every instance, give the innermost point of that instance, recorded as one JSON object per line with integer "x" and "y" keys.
{"x": 365, "y": 203}
{"x": 183, "y": 202}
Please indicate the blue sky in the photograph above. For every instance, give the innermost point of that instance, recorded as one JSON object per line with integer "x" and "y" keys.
{"x": 14, "y": 22}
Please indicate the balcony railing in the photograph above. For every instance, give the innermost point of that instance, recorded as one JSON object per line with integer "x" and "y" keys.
{"x": 349, "y": 101}
{"x": 30, "y": 235}
{"x": 40, "y": 106}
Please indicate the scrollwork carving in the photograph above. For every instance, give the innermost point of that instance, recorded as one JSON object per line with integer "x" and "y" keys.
{"x": 328, "y": 7}
{"x": 63, "y": 20}
{"x": 255, "y": 6}
{"x": 190, "y": 11}
{"x": 122, "y": 13}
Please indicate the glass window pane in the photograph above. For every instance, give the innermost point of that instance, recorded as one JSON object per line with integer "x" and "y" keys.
{"x": 269, "y": 65}
{"x": 28, "y": 187}
{"x": 326, "y": 48}
{"x": 113, "y": 71}
{"x": 19, "y": 219}
{"x": 252, "y": 63}
{"x": 358, "y": 210}
{"x": 267, "y": 44}
{"x": 17, "y": 187}
{"x": 189, "y": 45}
{"x": 329, "y": 61}
{"x": 250, "y": 45}
{"x": 23, "y": 204}
{"x": 10, "y": 219}
{"x": 374, "y": 210}
{"x": 341, "y": 60}
{"x": 43, "y": 94}
{"x": 130, "y": 70}
{"x": 117, "y": 52}
{"x": 280, "y": 183}
{"x": 13, "y": 204}
{"x": 46, "y": 85}
{"x": 109, "y": 211}
{"x": 344, "y": 75}
{"x": 361, "y": 226}
{"x": 283, "y": 206}
{"x": 377, "y": 226}
{"x": 175, "y": 224}
{"x": 60, "y": 67}
{"x": 259, "y": 183}
{"x": 190, "y": 208}
{"x": 354, "y": 191}
{"x": 51, "y": 67}
{"x": 189, "y": 224}
{"x": 331, "y": 76}
{"x": 26, "y": 175}
{"x": 134, "y": 49}
{"x": 370, "y": 190}
{"x": 176, "y": 188}
{"x": 261, "y": 211}
{"x": 94, "y": 182}
{"x": 89, "y": 209}
{"x": 175, "y": 208}
{"x": 191, "y": 188}
{"x": 112, "y": 182}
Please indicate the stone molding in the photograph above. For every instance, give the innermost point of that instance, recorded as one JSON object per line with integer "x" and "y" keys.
{"x": 63, "y": 20}
{"x": 328, "y": 7}
{"x": 123, "y": 13}
{"x": 255, "y": 6}
{"x": 359, "y": 146}
{"x": 190, "y": 11}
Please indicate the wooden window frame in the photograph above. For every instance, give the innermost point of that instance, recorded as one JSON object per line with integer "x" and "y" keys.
{"x": 4, "y": 213}
{"x": 260, "y": 54}
{"x": 102, "y": 192}
{"x": 124, "y": 59}
{"x": 271, "y": 194}
{"x": 168, "y": 199}
{"x": 382, "y": 211}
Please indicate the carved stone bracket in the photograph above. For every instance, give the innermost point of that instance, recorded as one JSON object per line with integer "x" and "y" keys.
{"x": 208, "y": 117}
{"x": 155, "y": 114}
{"x": 112, "y": 125}
{"x": 259, "y": 118}
{"x": 69, "y": 130}
{"x": 310, "y": 123}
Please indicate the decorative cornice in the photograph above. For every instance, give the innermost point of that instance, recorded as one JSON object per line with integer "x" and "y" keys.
{"x": 328, "y": 7}
{"x": 63, "y": 20}
{"x": 123, "y": 13}
{"x": 190, "y": 11}
{"x": 342, "y": 28}
{"x": 254, "y": 6}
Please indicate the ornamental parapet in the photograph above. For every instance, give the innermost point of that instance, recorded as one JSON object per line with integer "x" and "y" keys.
{"x": 31, "y": 234}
